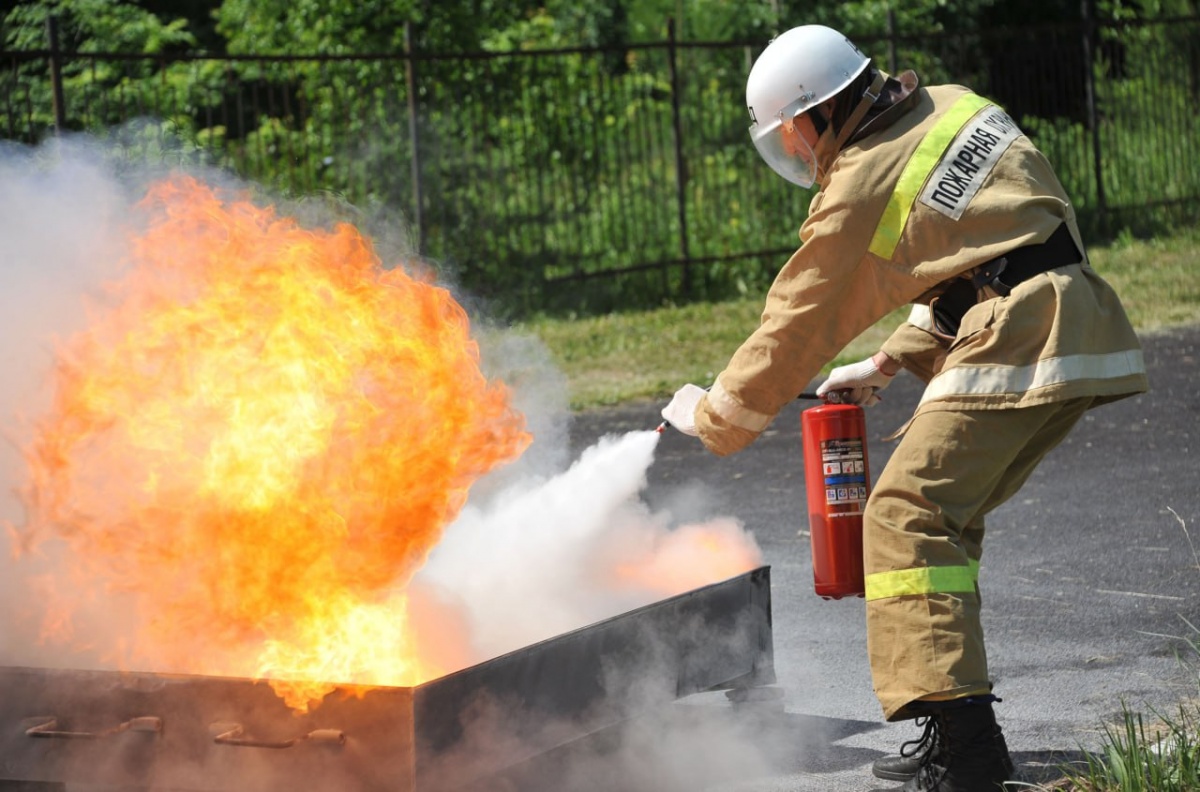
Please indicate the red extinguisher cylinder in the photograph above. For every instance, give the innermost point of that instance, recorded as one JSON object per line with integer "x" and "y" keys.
{"x": 837, "y": 479}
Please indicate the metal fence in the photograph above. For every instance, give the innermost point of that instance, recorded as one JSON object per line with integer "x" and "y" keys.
{"x": 589, "y": 179}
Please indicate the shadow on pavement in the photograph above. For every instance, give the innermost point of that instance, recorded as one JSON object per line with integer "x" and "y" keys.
{"x": 689, "y": 747}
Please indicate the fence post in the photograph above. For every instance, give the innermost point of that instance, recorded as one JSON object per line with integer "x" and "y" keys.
{"x": 680, "y": 163}
{"x": 414, "y": 136}
{"x": 56, "y": 83}
{"x": 891, "y": 34}
{"x": 1088, "y": 11}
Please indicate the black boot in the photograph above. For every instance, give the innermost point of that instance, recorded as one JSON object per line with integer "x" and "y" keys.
{"x": 969, "y": 747}
{"x": 903, "y": 766}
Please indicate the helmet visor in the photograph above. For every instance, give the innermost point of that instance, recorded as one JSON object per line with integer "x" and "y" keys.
{"x": 786, "y": 151}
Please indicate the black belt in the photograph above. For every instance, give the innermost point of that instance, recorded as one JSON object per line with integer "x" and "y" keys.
{"x": 1002, "y": 274}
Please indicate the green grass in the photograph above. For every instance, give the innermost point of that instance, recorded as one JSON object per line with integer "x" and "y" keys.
{"x": 648, "y": 354}
{"x": 1160, "y": 756}
{"x": 1158, "y": 279}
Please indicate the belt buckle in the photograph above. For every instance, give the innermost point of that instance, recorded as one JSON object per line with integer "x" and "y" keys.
{"x": 988, "y": 276}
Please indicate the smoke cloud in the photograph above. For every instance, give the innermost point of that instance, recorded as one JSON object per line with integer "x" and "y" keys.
{"x": 60, "y": 212}
{"x": 578, "y": 548}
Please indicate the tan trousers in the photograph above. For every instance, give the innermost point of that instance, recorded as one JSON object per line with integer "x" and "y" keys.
{"x": 923, "y": 541}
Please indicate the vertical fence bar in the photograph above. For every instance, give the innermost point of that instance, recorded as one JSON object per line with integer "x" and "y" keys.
{"x": 891, "y": 36}
{"x": 1088, "y": 11}
{"x": 414, "y": 136}
{"x": 56, "y": 83}
{"x": 680, "y": 162}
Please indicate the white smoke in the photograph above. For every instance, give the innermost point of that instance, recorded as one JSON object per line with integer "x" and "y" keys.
{"x": 57, "y": 218}
{"x": 60, "y": 210}
{"x": 577, "y": 548}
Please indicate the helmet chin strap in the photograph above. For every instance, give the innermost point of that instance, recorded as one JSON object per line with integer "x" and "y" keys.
{"x": 869, "y": 97}
{"x": 826, "y": 152}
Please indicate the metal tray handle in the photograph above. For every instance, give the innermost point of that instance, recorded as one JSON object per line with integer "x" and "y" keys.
{"x": 232, "y": 734}
{"x": 49, "y": 728}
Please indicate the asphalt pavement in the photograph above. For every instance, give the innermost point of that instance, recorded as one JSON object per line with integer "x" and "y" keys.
{"x": 1090, "y": 581}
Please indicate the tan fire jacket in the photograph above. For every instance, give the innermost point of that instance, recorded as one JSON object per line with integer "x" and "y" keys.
{"x": 947, "y": 186}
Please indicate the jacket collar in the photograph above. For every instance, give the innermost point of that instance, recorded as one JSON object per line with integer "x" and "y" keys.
{"x": 898, "y": 96}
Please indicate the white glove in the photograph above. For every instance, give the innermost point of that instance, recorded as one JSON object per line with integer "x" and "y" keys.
{"x": 681, "y": 412}
{"x": 857, "y": 383}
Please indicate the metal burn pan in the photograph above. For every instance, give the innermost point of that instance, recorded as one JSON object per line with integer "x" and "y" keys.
{"x": 146, "y": 731}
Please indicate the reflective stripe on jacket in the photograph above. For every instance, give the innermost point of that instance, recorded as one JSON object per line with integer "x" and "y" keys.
{"x": 948, "y": 185}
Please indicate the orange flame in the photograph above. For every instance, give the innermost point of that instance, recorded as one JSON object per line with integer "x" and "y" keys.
{"x": 261, "y": 437}
{"x": 691, "y": 556}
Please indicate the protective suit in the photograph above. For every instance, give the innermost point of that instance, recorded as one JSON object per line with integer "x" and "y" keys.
{"x": 936, "y": 186}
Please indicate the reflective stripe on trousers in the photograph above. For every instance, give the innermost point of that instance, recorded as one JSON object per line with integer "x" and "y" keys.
{"x": 923, "y": 580}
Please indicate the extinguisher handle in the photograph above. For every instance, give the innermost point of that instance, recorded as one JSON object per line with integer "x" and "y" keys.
{"x": 833, "y": 397}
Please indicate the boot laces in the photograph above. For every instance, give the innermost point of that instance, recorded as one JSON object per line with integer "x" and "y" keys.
{"x": 924, "y": 744}
{"x": 930, "y": 769}
{"x": 966, "y": 757}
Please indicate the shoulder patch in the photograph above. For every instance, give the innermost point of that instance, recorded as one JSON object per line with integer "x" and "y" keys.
{"x": 968, "y": 160}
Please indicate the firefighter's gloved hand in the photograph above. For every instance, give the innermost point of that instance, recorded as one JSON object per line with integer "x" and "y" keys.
{"x": 681, "y": 412}
{"x": 857, "y": 383}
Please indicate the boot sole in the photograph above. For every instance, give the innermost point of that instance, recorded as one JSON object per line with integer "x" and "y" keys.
{"x": 887, "y": 776}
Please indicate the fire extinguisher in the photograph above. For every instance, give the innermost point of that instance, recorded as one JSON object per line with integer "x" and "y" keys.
{"x": 838, "y": 480}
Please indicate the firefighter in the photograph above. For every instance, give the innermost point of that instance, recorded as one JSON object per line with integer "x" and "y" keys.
{"x": 929, "y": 196}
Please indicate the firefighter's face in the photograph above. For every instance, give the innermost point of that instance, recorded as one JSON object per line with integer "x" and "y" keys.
{"x": 798, "y": 133}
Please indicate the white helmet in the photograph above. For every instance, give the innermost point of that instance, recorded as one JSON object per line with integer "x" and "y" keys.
{"x": 796, "y": 72}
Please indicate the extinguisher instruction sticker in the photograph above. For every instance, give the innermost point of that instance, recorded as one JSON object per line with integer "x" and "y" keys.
{"x": 845, "y": 469}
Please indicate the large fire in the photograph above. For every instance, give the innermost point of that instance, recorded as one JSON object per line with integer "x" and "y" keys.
{"x": 261, "y": 436}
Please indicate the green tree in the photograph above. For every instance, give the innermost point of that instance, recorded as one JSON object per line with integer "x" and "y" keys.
{"x": 96, "y": 26}
{"x": 99, "y": 89}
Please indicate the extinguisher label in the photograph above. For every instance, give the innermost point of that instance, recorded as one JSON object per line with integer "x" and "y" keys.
{"x": 845, "y": 469}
